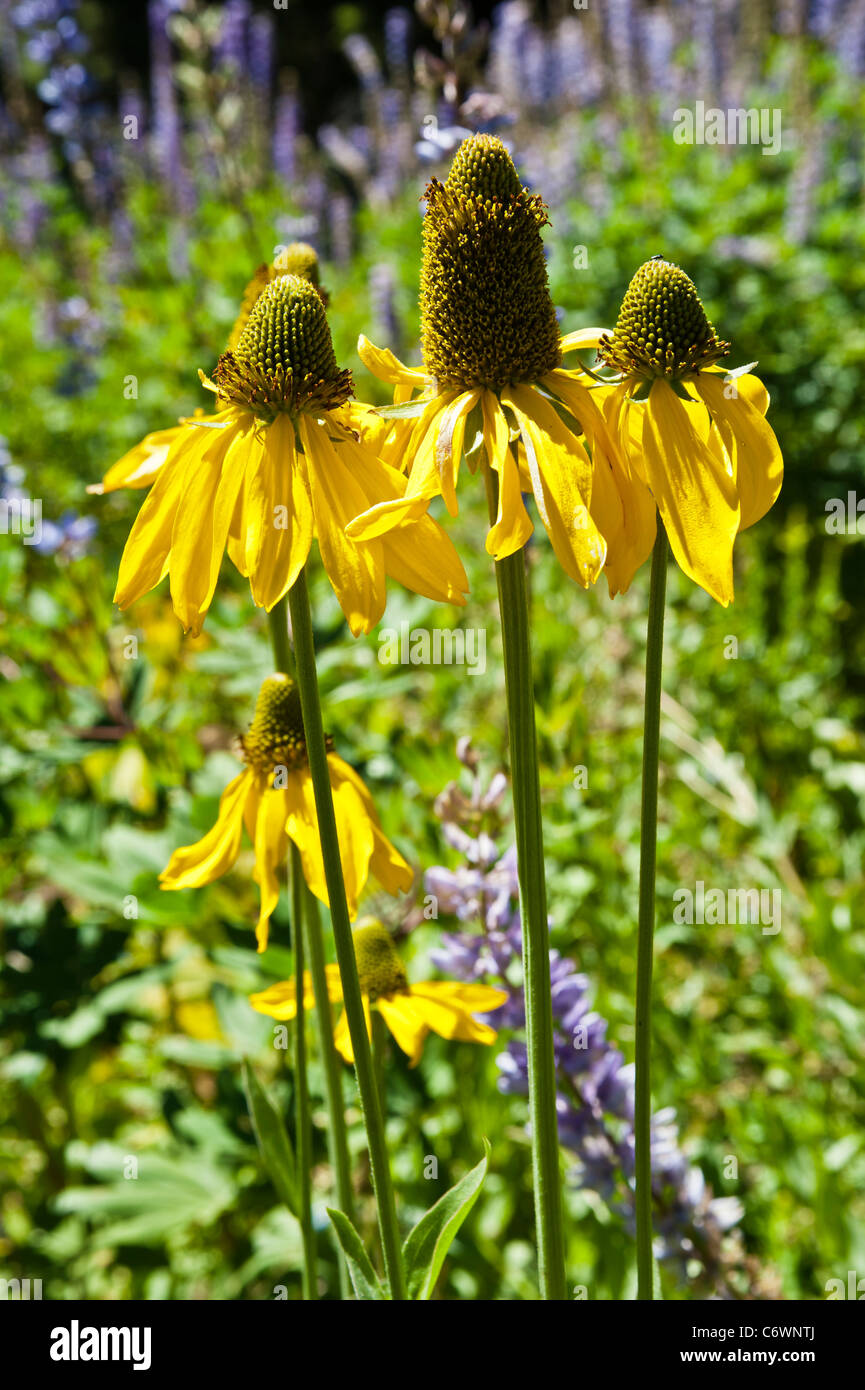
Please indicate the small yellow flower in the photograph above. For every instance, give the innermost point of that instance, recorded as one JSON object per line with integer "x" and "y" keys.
{"x": 694, "y": 443}
{"x": 279, "y": 463}
{"x": 410, "y": 1011}
{"x": 273, "y": 798}
{"x": 493, "y": 389}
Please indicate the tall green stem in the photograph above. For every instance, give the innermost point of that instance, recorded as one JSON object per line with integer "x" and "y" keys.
{"x": 514, "y": 610}
{"x": 277, "y": 620}
{"x": 646, "y": 926}
{"x": 303, "y": 1124}
{"x": 337, "y": 1138}
{"x": 307, "y": 681}
{"x": 313, "y": 942}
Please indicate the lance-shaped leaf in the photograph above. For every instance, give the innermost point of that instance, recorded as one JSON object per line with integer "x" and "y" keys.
{"x": 272, "y": 1137}
{"x": 365, "y": 1282}
{"x": 429, "y": 1241}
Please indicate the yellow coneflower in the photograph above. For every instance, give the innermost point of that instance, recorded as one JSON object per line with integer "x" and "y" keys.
{"x": 273, "y": 799}
{"x": 693, "y": 438}
{"x": 492, "y": 375}
{"x": 278, "y": 463}
{"x": 411, "y": 1011}
{"x": 139, "y": 467}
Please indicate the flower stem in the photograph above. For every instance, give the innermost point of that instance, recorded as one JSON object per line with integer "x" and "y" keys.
{"x": 277, "y": 620}
{"x": 303, "y": 1125}
{"x": 313, "y": 944}
{"x": 307, "y": 681}
{"x": 337, "y": 1138}
{"x": 379, "y": 1043}
{"x": 516, "y": 640}
{"x": 646, "y": 927}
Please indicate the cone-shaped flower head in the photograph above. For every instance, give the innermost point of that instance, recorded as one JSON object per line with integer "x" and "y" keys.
{"x": 487, "y": 316}
{"x": 140, "y": 466}
{"x": 298, "y": 258}
{"x": 662, "y": 328}
{"x": 284, "y": 359}
{"x": 276, "y": 735}
{"x": 379, "y": 968}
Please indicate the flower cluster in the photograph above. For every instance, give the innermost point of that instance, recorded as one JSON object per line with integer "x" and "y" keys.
{"x": 595, "y": 1087}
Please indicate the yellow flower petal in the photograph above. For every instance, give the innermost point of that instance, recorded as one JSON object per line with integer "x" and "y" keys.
{"x": 512, "y": 526}
{"x": 444, "y": 1011}
{"x": 270, "y": 846}
{"x": 280, "y": 1000}
{"x": 140, "y": 465}
{"x": 449, "y": 440}
{"x": 353, "y": 827}
{"x": 277, "y": 514}
{"x": 405, "y": 1023}
{"x": 142, "y": 564}
{"x": 696, "y": 496}
{"x": 355, "y": 571}
{"x": 561, "y": 474}
{"x": 386, "y": 366}
{"x": 386, "y": 864}
{"x": 420, "y": 554}
{"x": 194, "y": 865}
{"x": 751, "y": 445}
{"x": 583, "y": 338}
{"x": 202, "y": 520}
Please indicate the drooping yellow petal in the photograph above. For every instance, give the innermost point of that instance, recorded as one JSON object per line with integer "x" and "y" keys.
{"x": 140, "y": 465}
{"x": 419, "y": 554}
{"x": 386, "y": 365}
{"x": 280, "y": 1000}
{"x": 583, "y": 338}
{"x": 424, "y": 482}
{"x": 202, "y": 520}
{"x": 386, "y": 863}
{"x": 142, "y": 564}
{"x": 353, "y": 827}
{"x": 270, "y": 846}
{"x": 747, "y": 385}
{"x": 751, "y": 445}
{"x": 696, "y": 496}
{"x": 355, "y": 571}
{"x": 446, "y": 1012}
{"x": 405, "y": 1023}
{"x": 512, "y": 526}
{"x": 561, "y": 474}
{"x": 277, "y": 516}
{"x": 194, "y": 865}
{"x": 449, "y": 445}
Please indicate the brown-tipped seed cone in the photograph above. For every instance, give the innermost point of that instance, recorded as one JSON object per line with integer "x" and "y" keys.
{"x": 486, "y": 313}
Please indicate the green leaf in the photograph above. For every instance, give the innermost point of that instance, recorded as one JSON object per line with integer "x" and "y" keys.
{"x": 365, "y": 1281}
{"x": 429, "y": 1241}
{"x": 272, "y": 1138}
